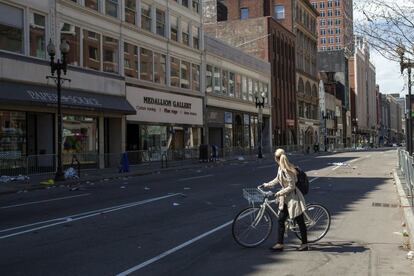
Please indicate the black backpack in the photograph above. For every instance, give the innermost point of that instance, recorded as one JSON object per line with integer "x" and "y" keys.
{"x": 303, "y": 183}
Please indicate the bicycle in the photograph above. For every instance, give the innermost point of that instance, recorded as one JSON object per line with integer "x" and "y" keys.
{"x": 253, "y": 225}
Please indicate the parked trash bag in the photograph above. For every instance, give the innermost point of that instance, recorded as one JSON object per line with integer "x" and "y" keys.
{"x": 70, "y": 173}
{"x": 124, "y": 164}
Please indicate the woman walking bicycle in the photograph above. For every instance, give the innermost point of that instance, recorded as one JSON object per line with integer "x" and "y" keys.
{"x": 291, "y": 200}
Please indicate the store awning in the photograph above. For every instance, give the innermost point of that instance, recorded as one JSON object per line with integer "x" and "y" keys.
{"x": 28, "y": 94}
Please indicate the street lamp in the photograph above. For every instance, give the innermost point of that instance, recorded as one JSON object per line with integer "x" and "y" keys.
{"x": 405, "y": 63}
{"x": 260, "y": 101}
{"x": 58, "y": 67}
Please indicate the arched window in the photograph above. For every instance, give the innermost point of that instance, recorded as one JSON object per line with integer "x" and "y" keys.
{"x": 314, "y": 91}
{"x": 300, "y": 86}
{"x": 308, "y": 89}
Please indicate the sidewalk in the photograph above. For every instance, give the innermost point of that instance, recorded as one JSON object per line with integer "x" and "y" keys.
{"x": 35, "y": 181}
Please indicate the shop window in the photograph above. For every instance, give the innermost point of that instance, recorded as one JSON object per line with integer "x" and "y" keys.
{"x": 80, "y": 135}
{"x": 160, "y": 63}
{"x": 146, "y": 64}
{"x": 185, "y": 74}
{"x": 196, "y": 40}
{"x": 244, "y": 88}
{"x": 209, "y": 78}
{"x": 228, "y": 136}
{"x": 130, "y": 11}
{"x": 266, "y": 92}
{"x": 12, "y": 134}
{"x": 111, "y": 8}
{"x": 185, "y": 33}
{"x": 11, "y": 29}
{"x": 160, "y": 22}
{"x": 174, "y": 28}
{"x": 130, "y": 60}
{"x": 145, "y": 17}
{"x": 71, "y": 34}
{"x": 246, "y": 131}
{"x": 224, "y": 79}
{"x": 231, "y": 84}
{"x": 237, "y": 87}
{"x": 175, "y": 72}
{"x": 110, "y": 56}
{"x": 91, "y": 50}
{"x": 92, "y": 4}
{"x": 196, "y": 77}
{"x": 217, "y": 78}
{"x": 37, "y": 36}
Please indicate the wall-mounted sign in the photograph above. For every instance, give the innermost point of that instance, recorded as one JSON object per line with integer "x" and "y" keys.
{"x": 160, "y": 107}
{"x": 290, "y": 122}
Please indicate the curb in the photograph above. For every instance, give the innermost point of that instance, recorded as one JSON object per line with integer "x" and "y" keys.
{"x": 408, "y": 212}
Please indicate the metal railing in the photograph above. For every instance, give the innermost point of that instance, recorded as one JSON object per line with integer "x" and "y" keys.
{"x": 405, "y": 165}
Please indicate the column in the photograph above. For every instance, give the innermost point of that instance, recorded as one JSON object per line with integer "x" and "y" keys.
{"x": 101, "y": 142}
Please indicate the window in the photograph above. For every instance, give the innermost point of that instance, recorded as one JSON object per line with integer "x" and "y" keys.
{"x": 145, "y": 64}
{"x": 329, "y": 22}
{"x": 337, "y": 12}
{"x": 11, "y": 29}
{"x": 160, "y": 65}
{"x": 111, "y": 8}
{"x": 130, "y": 60}
{"x": 91, "y": 50}
{"x": 322, "y": 31}
{"x": 338, "y": 47}
{"x": 130, "y": 11}
{"x": 185, "y": 33}
{"x": 244, "y": 88}
{"x": 224, "y": 81}
{"x": 174, "y": 28}
{"x": 110, "y": 57}
{"x": 92, "y": 4}
{"x": 145, "y": 17}
{"x": 314, "y": 5}
{"x": 80, "y": 134}
{"x": 244, "y": 13}
{"x": 209, "y": 78}
{"x": 71, "y": 34}
{"x": 323, "y": 40}
{"x": 323, "y": 22}
{"x": 196, "y": 6}
{"x": 331, "y": 40}
{"x": 196, "y": 77}
{"x": 329, "y": 13}
{"x": 37, "y": 36}
{"x": 185, "y": 74}
{"x": 337, "y": 31}
{"x": 237, "y": 87}
{"x": 337, "y": 22}
{"x": 184, "y": 3}
{"x": 216, "y": 80}
{"x": 196, "y": 41}
{"x": 337, "y": 3}
{"x": 250, "y": 89}
{"x": 321, "y": 5}
{"x": 279, "y": 12}
{"x": 160, "y": 22}
{"x": 231, "y": 84}
{"x": 330, "y": 31}
{"x": 175, "y": 72}
{"x": 330, "y": 4}
{"x": 338, "y": 39}
{"x": 322, "y": 14}
{"x": 13, "y": 132}
{"x": 255, "y": 89}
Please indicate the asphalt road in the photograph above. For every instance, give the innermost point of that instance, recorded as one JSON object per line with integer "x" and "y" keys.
{"x": 178, "y": 223}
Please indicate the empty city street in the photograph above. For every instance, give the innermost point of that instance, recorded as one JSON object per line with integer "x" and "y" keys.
{"x": 178, "y": 223}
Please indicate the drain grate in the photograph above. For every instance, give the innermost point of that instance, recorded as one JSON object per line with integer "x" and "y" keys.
{"x": 386, "y": 205}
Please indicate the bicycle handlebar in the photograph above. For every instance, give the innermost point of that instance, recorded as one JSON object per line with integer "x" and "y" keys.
{"x": 266, "y": 193}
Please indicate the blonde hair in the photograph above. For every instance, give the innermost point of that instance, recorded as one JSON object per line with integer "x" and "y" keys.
{"x": 284, "y": 163}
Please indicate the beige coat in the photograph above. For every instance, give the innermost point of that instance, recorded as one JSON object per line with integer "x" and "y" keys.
{"x": 290, "y": 196}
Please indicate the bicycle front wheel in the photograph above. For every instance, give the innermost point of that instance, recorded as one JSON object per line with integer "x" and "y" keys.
{"x": 318, "y": 222}
{"x": 251, "y": 227}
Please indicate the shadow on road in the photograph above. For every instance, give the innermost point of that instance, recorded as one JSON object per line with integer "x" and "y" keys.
{"x": 339, "y": 247}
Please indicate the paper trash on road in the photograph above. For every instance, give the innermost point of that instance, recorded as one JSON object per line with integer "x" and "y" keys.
{"x": 176, "y": 204}
{"x": 187, "y": 188}
{"x": 146, "y": 188}
{"x": 6, "y": 178}
{"x": 410, "y": 255}
{"x": 340, "y": 164}
{"x": 240, "y": 158}
{"x": 122, "y": 187}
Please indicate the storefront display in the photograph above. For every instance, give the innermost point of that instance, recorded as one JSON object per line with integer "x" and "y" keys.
{"x": 80, "y": 134}
{"x": 12, "y": 134}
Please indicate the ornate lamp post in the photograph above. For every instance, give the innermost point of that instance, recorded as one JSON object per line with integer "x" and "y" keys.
{"x": 260, "y": 101}
{"x": 405, "y": 63}
{"x": 59, "y": 66}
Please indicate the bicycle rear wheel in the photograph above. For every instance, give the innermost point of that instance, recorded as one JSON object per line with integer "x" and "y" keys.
{"x": 251, "y": 228}
{"x": 318, "y": 222}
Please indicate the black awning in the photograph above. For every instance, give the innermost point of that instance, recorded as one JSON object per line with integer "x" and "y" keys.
{"x": 28, "y": 94}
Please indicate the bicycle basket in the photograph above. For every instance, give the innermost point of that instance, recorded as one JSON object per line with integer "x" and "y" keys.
{"x": 253, "y": 195}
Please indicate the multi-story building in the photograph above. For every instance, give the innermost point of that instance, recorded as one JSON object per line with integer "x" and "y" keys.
{"x": 146, "y": 52}
{"x": 335, "y": 24}
{"x": 300, "y": 17}
{"x": 249, "y": 25}
{"x": 233, "y": 81}
{"x": 395, "y": 130}
{"x": 362, "y": 82}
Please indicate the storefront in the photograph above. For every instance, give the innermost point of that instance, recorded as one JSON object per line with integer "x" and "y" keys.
{"x": 92, "y": 122}
{"x": 163, "y": 121}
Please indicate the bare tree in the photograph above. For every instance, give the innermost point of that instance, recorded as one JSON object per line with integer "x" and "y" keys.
{"x": 386, "y": 25}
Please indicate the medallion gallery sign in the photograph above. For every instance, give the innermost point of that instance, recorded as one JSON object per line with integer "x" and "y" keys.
{"x": 161, "y": 107}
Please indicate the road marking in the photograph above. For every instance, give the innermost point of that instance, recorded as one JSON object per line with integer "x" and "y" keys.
{"x": 195, "y": 177}
{"x": 172, "y": 250}
{"x": 42, "y": 201}
{"x": 80, "y": 216}
{"x": 313, "y": 179}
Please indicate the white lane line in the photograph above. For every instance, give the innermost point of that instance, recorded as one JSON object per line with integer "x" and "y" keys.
{"x": 195, "y": 177}
{"x": 42, "y": 201}
{"x": 172, "y": 250}
{"x": 80, "y": 216}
